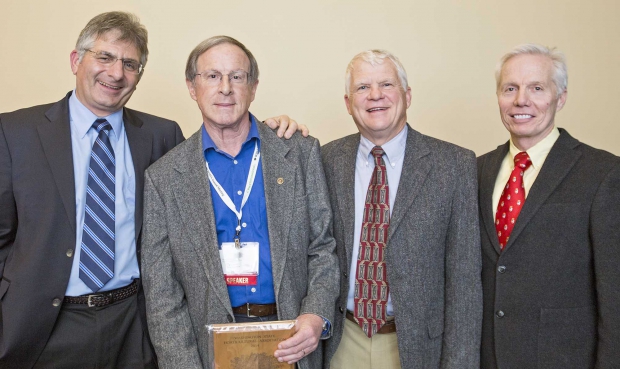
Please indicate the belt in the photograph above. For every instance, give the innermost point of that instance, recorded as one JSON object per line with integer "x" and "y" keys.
{"x": 388, "y": 327}
{"x": 104, "y": 298}
{"x": 256, "y": 309}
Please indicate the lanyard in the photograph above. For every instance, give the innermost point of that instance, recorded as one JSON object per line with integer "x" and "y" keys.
{"x": 246, "y": 194}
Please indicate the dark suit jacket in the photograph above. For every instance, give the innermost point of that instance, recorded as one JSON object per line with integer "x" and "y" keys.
{"x": 433, "y": 252}
{"x": 37, "y": 216}
{"x": 556, "y": 282}
{"x": 183, "y": 277}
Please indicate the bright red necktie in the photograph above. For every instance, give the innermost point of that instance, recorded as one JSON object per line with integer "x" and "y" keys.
{"x": 512, "y": 199}
{"x": 371, "y": 288}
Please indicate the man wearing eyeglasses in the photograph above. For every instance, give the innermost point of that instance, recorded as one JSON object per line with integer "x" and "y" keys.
{"x": 237, "y": 223}
{"x": 71, "y": 185}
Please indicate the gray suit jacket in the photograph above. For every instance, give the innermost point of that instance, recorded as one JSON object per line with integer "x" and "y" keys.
{"x": 37, "y": 216}
{"x": 433, "y": 252}
{"x": 556, "y": 282}
{"x": 183, "y": 278}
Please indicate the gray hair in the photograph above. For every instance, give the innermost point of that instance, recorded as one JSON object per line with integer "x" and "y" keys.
{"x": 127, "y": 24}
{"x": 375, "y": 57}
{"x": 192, "y": 60}
{"x": 560, "y": 71}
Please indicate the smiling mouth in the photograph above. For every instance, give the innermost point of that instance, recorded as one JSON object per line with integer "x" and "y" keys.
{"x": 375, "y": 109}
{"x": 109, "y": 86}
{"x": 522, "y": 116}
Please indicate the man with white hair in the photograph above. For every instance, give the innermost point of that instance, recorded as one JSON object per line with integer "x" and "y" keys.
{"x": 550, "y": 229}
{"x": 406, "y": 232}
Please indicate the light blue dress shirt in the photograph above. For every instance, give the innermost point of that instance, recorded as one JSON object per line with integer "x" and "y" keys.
{"x": 364, "y": 166}
{"x": 82, "y": 138}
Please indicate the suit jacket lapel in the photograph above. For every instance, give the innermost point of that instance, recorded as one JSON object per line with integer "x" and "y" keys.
{"x": 345, "y": 189}
{"x": 416, "y": 166}
{"x": 56, "y": 142}
{"x": 489, "y": 172}
{"x": 193, "y": 196}
{"x": 279, "y": 182}
{"x": 140, "y": 145}
{"x": 558, "y": 164}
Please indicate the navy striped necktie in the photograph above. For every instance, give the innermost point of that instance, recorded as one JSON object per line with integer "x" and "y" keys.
{"x": 97, "y": 249}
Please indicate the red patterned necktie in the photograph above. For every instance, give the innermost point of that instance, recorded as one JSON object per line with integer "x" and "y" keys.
{"x": 512, "y": 199}
{"x": 371, "y": 288}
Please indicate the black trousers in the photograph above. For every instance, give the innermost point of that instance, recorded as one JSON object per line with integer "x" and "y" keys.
{"x": 109, "y": 337}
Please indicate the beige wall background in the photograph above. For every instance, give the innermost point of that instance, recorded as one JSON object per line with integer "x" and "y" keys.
{"x": 449, "y": 48}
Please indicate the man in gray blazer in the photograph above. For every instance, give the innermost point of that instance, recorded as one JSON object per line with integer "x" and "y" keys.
{"x": 234, "y": 186}
{"x": 429, "y": 316}
{"x": 550, "y": 264}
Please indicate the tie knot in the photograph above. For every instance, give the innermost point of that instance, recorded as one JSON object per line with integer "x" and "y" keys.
{"x": 522, "y": 160}
{"x": 377, "y": 152}
{"x": 101, "y": 125}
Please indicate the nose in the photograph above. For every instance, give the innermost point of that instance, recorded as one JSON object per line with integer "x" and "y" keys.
{"x": 522, "y": 98}
{"x": 116, "y": 70}
{"x": 224, "y": 86}
{"x": 375, "y": 92}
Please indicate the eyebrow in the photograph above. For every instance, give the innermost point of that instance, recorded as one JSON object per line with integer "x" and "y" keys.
{"x": 112, "y": 54}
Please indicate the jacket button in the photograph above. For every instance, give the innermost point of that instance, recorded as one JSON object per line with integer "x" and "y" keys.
{"x": 346, "y": 275}
{"x": 229, "y": 318}
{"x": 500, "y": 314}
{"x": 341, "y": 309}
{"x": 501, "y": 268}
{"x": 56, "y": 302}
{"x": 69, "y": 253}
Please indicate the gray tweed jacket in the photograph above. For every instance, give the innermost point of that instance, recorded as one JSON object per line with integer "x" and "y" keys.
{"x": 433, "y": 250}
{"x": 183, "y": 278}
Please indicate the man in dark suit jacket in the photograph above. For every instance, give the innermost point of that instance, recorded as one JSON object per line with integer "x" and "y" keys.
{"x": 42, "y": 194}
{"x": 432, "y": 257}
{"x": 551, "y": 298}
{"x": 44, "y": 158}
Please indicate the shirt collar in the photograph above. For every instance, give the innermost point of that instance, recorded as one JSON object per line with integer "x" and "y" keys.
{"x": 537, "y": 153}
{"x": 83, "y": 119}
{"x": 394, "y": 149}
{"x": 207, "y": 141}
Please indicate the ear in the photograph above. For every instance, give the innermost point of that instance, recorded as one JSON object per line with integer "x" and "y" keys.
{"x": 346, "y": 102}
{"x": 408, "y": 96}
{"x": 253, "y": 90}
{"x": 74, "y": 59}
{"x": 191, "y": 88}
{"x": 562, "y": 100}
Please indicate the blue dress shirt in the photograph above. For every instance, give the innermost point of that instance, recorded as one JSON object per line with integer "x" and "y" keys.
{"x": 232, "y": 173}
{"x": 364, "y": 166}
{"x": 82, "y": 138}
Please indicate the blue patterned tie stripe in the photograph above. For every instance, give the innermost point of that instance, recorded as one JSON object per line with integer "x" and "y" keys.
{"x": 97, "y": 255}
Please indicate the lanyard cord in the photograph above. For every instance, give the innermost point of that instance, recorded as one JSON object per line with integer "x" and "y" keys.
{"x": 246, "y": 194}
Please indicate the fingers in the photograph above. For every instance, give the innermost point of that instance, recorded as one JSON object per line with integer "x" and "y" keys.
{"x": 304, "y": 130}
{"x": 296, "y": 347}
{"x": 303, "y": 342}
{"x": 272, "y": 123}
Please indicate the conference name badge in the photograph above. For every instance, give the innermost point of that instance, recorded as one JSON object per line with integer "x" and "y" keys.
{"x": 240, "y": 264}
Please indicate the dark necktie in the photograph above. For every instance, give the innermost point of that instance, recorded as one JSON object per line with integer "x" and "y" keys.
{"x": 512, "y": 199}
{"x": 371, "y": 288}
{"x": 97, "y": 250}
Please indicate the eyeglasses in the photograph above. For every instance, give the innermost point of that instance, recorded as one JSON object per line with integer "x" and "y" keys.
{"x": 214, "y": 77}
{"x": 107, "y": 59}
